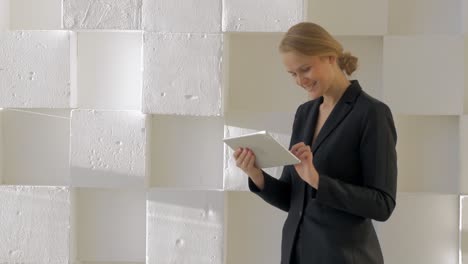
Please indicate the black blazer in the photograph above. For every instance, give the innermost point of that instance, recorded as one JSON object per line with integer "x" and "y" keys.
{"x": 356, "y": 158}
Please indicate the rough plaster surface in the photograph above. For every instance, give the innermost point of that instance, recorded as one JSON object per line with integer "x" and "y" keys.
{"x": 35, "y": 69}
{"x": 182, "y": 16}
{"x": 275, "y": 15}
{"x": 102, "y": 14}
{"x": 108, "y": 148}
{"x": 185, "y": 227}
{"x": 34, "y": 224}
{"x": 182, "y": 74}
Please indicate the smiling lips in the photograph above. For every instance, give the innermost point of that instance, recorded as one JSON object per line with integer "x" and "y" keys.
{"x": 311, "y": 88}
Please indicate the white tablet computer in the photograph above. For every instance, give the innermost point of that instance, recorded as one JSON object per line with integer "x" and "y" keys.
{"x": 268, "y": 151}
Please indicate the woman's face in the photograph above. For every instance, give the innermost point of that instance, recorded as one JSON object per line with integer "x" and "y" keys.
{"x": 313, "y": 73}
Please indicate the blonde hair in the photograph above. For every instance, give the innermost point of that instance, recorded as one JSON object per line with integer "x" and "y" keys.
{"x": 311, "y": 39}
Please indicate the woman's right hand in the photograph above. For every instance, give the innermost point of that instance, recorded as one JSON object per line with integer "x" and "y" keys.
{"x": 245, "y": 160}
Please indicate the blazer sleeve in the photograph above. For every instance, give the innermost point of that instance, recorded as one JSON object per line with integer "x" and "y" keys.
{"x": 376, "y": 198}
{"x": 277, "y": 192}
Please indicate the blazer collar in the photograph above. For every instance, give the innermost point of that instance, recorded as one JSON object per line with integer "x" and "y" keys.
{"x": 340, "y": 110}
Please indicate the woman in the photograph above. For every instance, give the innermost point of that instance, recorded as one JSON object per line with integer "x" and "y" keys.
{"x": 346, "y": 142}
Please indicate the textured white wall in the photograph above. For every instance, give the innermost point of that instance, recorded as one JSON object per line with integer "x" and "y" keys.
{"x": 110, "y": 136}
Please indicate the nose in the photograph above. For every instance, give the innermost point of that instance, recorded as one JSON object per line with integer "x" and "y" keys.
{"x": 301, "y": 80}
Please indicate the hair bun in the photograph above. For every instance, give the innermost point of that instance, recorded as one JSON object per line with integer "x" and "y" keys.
{"x": 347, "y": 62}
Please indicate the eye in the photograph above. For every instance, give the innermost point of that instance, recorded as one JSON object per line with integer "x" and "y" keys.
{"x": 293, "y": 74}
{"x": 305, "y": 69}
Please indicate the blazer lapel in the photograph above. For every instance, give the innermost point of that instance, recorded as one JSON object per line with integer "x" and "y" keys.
{"x": 339, "y": 112}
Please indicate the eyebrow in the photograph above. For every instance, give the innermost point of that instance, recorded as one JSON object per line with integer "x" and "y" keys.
{"x": 300, "y": 67}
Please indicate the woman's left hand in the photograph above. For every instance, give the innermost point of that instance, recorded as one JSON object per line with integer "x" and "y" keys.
{"x": 306, "y": 168}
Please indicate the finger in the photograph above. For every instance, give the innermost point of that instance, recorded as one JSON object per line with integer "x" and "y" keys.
{"x": 241, "y": 158}
{"x": 296, "y": 146}
{"x": 237, "y": 153}
{"x": 247, "y": 159}
{"x": 252, "y": 161}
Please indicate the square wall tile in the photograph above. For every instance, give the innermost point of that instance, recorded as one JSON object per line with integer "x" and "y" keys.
{"x": 110, "y": 70}
{"x": 36, "y": 146}
{"x": 428, "y": 153}
{"x": 185, "y": 226}
{"x": 361, "y": 17}
{"x": 182, "y": 16}
{"x": 414, "y": 71}
{"x": 182, "y": 74}
{"x": 101, "y": 14}
{"x": 36, "y": 70}
{"x": 35, "y": 224}
{"x": 261, "y": 15}
{"x": 35, "y": 15}
{"x": 186, "y": 152}
{"x": 254, "y": 229}
{"x": 108, "y": 148}
{"x": 428, "y": 17}
{"x": 422, "y": 229}
{"x": 110, "y": 225}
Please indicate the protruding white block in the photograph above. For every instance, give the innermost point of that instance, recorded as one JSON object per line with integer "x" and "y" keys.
{"x": 179, "y": 16}
{"x": 463, "y": 252}
{"x": 410, "y": 72}
{"x": 36, "y": 146}
{"x": 2, "y": 147}
{"x": 195, "y": 142}
{"x": 4, "y": 15}
{"x": 108, "y": 148}
{"x": 185, "y": 227}
{"x": 464, "y": 154}
{"x": 234, "y": 177}
{"x": 35, "y": 69}
{"x": 428, "y": 147}
{"x": 110, "y": 70}
{"x": 102, "y": 14}
{"x": 35, "y": 224}
{"x": 432, "y": 17}
{"x": 362, "y": 17}
{"x": 182, "y": 74}
{"x": 258, "y": 80}
{"x": 261, "y": 15}
{"x": 254, "y": 229}
{"x": 35, "y": 15}
{"x": 422, "y": 229}
{"x": 111, "y": 225}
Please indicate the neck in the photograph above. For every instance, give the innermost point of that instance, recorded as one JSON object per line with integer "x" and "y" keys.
{"x": 336, "y": 90}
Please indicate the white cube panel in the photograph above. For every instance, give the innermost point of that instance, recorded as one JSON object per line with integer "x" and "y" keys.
{"x": 182, "y": 74}
{"x": 431, "y": 17}
{"x": 110, "y": 70}
{"x": 428, "y": 153}
{"x": 182, "y": 16}
{"x": 102, "y": 14}
{"x": 34, "y": 15}
{"x": 362, "y": 17}
{"x": 2, "y": 147}
{"x": 261, "y": 84}
{"x": 4, "y": 15}
{"x": 185, "y": 227}
{"x": 108, "y": 148}
{"x": 413, "y": 68}
{"x": 463, "y": 253}
{"x": 234, "y": 177}
{"x": 35, "y": 224}
{"x": 110, "y": 225}
{"x": 261, "y": 15}
{"x": 254, "y": 229}
{"x": 35, "y": 69}
{"x": 186, "y": 152}
{"x": 36, "y": 146}
{"x": 422, "y": 229}
{"x": 464, "y": 153}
